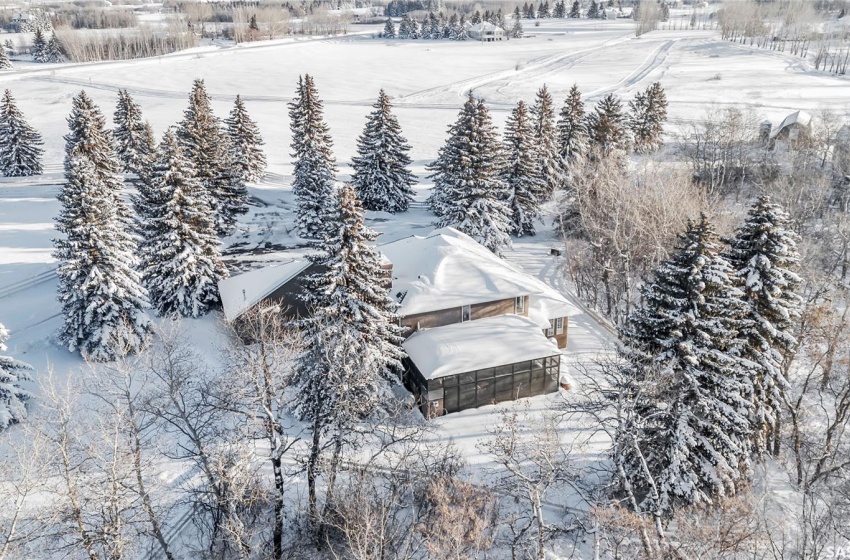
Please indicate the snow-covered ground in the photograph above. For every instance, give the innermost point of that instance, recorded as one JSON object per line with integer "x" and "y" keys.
{"x": 428, "y": 81}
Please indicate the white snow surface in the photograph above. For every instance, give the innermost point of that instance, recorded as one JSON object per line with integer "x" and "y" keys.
{"x": 241, "y": 292}
{"x": 447, "y": 269}
{"x": 470, "y": 345}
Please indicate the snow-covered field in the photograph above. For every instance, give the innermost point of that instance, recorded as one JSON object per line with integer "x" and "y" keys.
{"x": 428, "y": 81}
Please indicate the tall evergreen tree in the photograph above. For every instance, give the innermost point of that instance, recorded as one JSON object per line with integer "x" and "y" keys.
{"x": 549, "y": 161}
{"x": 593, "y": 10}
{"x": 516, "y": 30}
{"x": 247, "y": 158}
{"x": 207, "y": 146}
{"x": 575, "y": 11}
{"x": 13, "y": 397}
{"x": 572, "y": 131}
{"x": 522, "y": 174}
{"x": 181, "y": 264}
{"x": 648, "y": 113}
{"x": 763, "y": 255}
{"x": 469, "y": 193}
{"x": 131, "y": 134}
{"x": 404, "y": 28}
{"x": 682, "y": 346}
{"x": 20, "y": 144}
{"x": 607, "y": 127}
{"x": 382, "y": 177}
{"x": 39, "y": 47}
{"x": 53, "y": 50}
{"x": 389, "y": 29}
{"x": 102, "y": 298}
{"x": 351, "y": 352}
{"x": 315, "y": 169}
{"x": 5, "y": 63}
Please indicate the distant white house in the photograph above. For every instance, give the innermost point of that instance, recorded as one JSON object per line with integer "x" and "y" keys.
{"x": 486, "y": 32}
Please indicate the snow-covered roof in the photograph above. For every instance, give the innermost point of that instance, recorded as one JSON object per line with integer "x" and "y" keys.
{"x": 241, "y": 292}
{"x": 797, "y": 117}
{"x": 484, "y": 26}
{"x": 468, "y": 346}
{"x": 23, "y": 17}
{"x": 448, "y": 269}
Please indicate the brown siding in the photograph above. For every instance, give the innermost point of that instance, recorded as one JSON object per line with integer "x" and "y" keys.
{"x": 451, "y": 316}
{"x": 560, "y": 338}
{"x": 492, "y": 308}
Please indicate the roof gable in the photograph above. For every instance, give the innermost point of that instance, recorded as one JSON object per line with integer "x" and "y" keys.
{"x": 242, "y": 292}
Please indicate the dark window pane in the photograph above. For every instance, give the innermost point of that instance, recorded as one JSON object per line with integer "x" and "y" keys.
{"x": 522, "y": 366}
{"x": 538, "y": 364}
{"x": 538, "y": 373}
{"x": 435, "y": 383}
{"x": 504, "y": 383}
{"x": 485, "y": 392}
{"x": 503, "y": 370}
{"x": 521, "y": 380}
{"x": 485, "y": 373}
{"x": 553, "y": 372}
{"x": 450, "y": 402}
{"x": 467, "y": 396}
{"x": 450, "y": 381}
{"x": 467, "y": 377}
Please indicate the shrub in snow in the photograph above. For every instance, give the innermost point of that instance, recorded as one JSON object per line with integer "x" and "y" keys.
{"x": 246, "y": 144}
{"x": 12, "y": 397}
{"x": 382, "y": 178}
{"x": 20, "y": 144}
{"x": 181, "y": 265}
{"x": 682, "y": 347}
{"x": 763, "y": 255}
{"x": 315, "y": 169}
{"x": 469, "y": 192}
{"x": 103, "y": 301}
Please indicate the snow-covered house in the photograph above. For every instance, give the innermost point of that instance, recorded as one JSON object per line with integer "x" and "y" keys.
{"x": 793, "y": 128}
{"x": 477, "y": 330}
{"x": 486, "y": 32}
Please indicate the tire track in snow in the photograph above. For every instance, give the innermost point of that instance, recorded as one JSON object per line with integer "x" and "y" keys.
{"x": 542, "y": 66}
{"x": 655, "y": 59}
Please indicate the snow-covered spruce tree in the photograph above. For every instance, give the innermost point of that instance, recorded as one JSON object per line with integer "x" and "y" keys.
{"x": 575, "y": 11}
{"x": 404, "y": 28}
{"x": 389, "y": 29}
{"x": 12, "y": 397}
{"x": 593, "y": 10}
{"x": 516, "y": 30}
{"x": 469, "y": 193}
{"x": 131, "y": 137}
{"x": 549, "y": 161}
{"x": 648, "y": 112}
{"x": 764, "y": 255}
{"x": 20, "y": 144}
{"x": 181, "y": 264}
{"x": 5, "y": 63}
{"x": 351, "y": 353}
{"x": 247, "y": 158}
{"x": 681, "y": 344}
{"x": 572, "y": 131}
{"x": 39, "y": 47}
{"x": 53, "y": 50}
{"x": 382, "y": 178}
{"x": 315, "y": 168}
{"x": 102, "y": 298}
{"x": 521, "y": 173}
{"x": 607, "y": 127}
{"x": 207, "y": 146}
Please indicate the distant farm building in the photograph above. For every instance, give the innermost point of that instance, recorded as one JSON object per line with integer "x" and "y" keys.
{"x": 794, "y": 128}
{"x": 486, "y": 32}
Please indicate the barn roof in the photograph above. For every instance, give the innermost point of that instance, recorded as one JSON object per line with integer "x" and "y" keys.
{"x": 797, "y": 117}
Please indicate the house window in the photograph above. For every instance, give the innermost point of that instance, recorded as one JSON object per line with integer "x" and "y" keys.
{"x": 519, "y": 305}
{"x": 559, "y": 325}
{"x": 551, "y": 330}
{"x": 465, "y": 313}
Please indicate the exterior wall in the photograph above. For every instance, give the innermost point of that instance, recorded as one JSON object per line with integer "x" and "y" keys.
{"x": 553, "y": 333}
{"x": 451, "y": 316}
{"x": 454, "y": 393}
